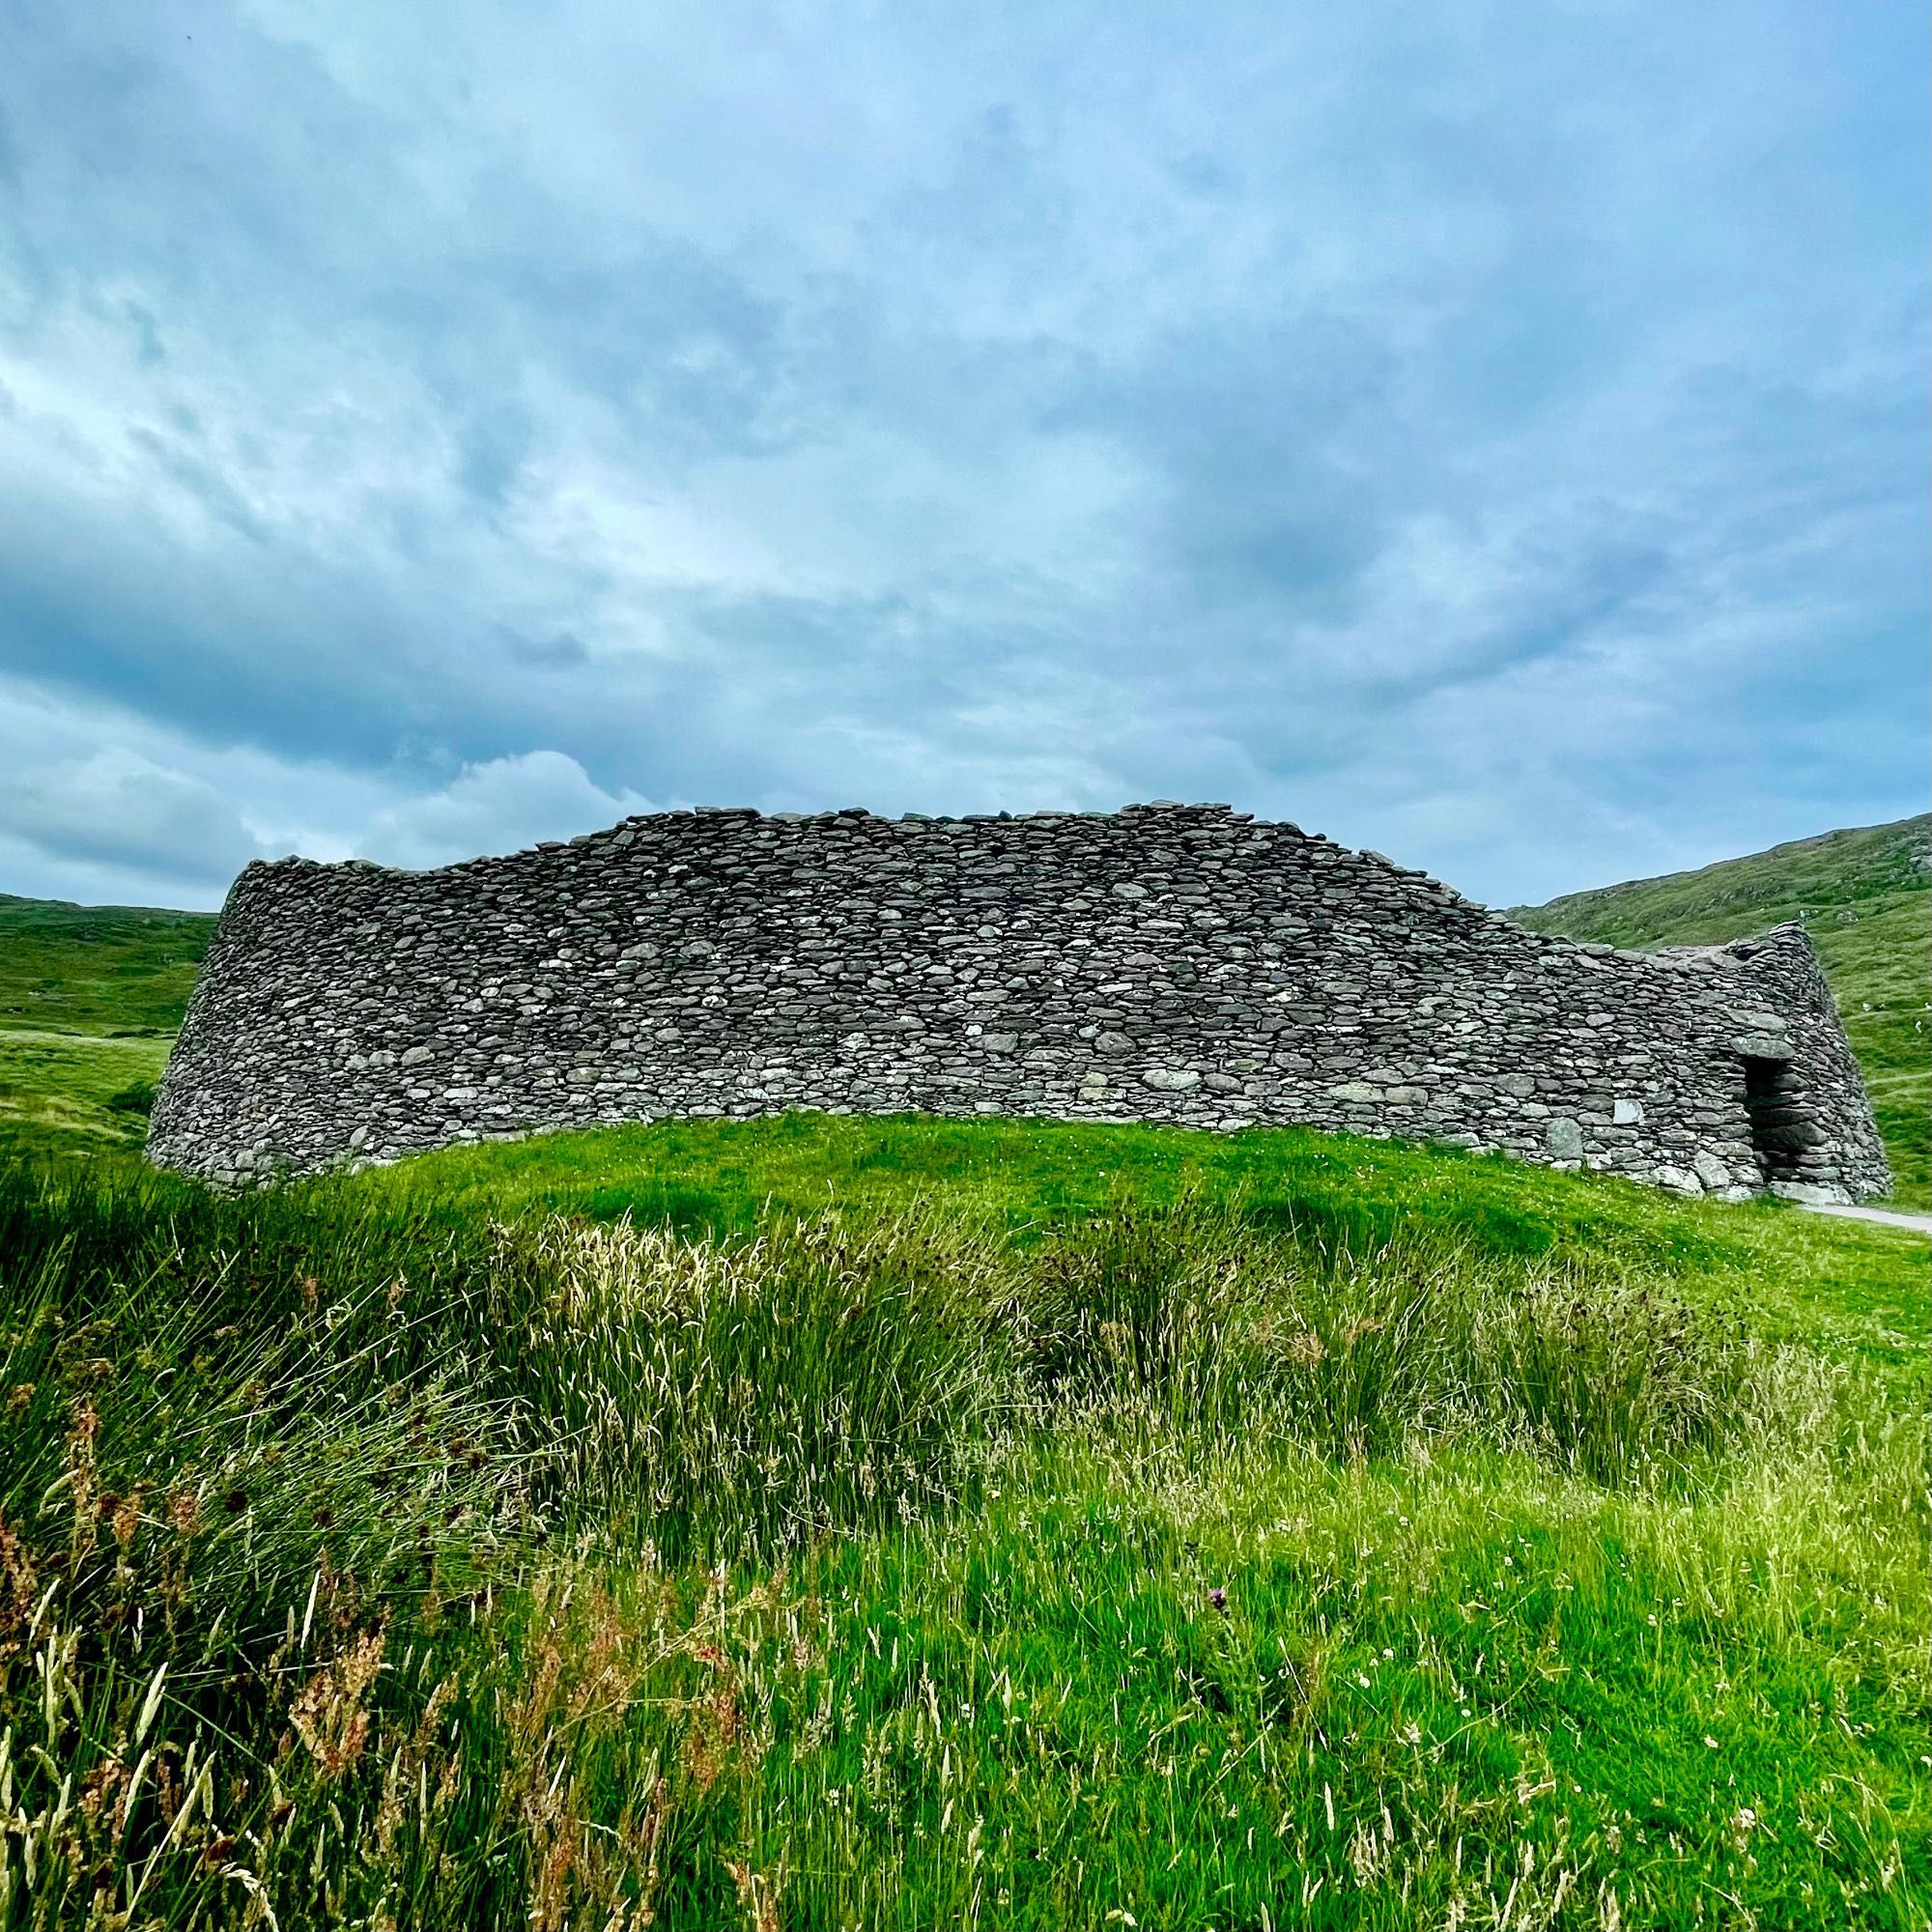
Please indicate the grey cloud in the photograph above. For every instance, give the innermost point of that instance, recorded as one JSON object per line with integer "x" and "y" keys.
{"x": 493, "y": 445}
{"x": 201, "y": 481}
{"x": 999, "y": 411}
{"x": 119, "y": 810}
{"x": 564, "y": 651}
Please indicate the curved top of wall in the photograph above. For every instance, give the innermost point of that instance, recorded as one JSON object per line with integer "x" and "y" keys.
{"x": 1150, "y": 815}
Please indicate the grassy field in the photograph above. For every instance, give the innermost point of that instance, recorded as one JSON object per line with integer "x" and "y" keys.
{"x": 848, "y": 1523}
{"x": 90, "y": 998}
{"x": 1865, "y": 897}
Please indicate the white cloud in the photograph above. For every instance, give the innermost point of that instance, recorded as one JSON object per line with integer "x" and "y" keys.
{"x": 156, "y": 816}
{"x": 501, "y": 805}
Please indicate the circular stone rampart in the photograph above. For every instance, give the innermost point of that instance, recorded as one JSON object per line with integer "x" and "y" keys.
{"x": 1171, "y": 964}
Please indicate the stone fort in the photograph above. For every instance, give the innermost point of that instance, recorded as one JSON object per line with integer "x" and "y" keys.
{"x": 1171, "y": 964}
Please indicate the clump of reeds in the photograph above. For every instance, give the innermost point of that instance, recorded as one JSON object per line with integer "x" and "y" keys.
{"x": 1211, "y": 1326}
{"x": 721, "y": 1396}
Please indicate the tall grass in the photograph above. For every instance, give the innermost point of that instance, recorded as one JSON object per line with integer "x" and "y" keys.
{"x": 364, "y": 1565}
{"x": 734, "y": 1400}
{"x": 1211, "y": 1325}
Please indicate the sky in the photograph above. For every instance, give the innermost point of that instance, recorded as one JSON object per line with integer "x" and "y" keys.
{"x": 1494, "y": 435}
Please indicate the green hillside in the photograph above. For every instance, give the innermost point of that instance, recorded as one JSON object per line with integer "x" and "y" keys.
{"x": 97, "y": 968}
{"x": 1865, "y": 897}
{"x": 90, "y": 998}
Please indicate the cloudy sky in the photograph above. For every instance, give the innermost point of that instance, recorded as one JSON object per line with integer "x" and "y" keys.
{"x": 1493, "y": 434}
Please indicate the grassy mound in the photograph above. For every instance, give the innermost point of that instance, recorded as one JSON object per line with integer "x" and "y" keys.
{"x": 1866, "y": 899}
{"x": 835, "y": 1521}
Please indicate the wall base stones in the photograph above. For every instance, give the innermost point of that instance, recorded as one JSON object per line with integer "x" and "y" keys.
{"x": 1171, "y": 964}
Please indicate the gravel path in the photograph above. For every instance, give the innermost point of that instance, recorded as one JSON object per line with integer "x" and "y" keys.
{"x": 1891, "y": 1217}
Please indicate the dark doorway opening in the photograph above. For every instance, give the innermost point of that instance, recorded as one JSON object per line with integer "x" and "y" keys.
{"x": 1782, "y": 1128}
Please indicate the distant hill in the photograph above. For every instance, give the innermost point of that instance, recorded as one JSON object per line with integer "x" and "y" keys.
{"x": 97, "y": 969}
{"x": 1865, "y": 897}
{"x": 90, "y": 998}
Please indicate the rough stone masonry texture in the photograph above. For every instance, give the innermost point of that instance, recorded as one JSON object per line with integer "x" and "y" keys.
{"x": 1175, "y": 964}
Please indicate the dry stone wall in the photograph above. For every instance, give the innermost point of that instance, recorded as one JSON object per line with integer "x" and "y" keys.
{"x": 1168, "y": 963}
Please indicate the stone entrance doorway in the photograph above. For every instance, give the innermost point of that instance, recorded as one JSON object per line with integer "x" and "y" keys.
{"x": 1781, "y": 1123}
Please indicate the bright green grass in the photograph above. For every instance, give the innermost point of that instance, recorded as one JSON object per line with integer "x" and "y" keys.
{"x": 1475, "y": 1662}
{"x": 1865, "y": 897}
{"x": 360, "y": 1564}
{"x": 97, "y": 968}
{"x": 1570, "y": 1540}
{"x": 76, "y": 1089}
{"x": 90, "y": 998}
